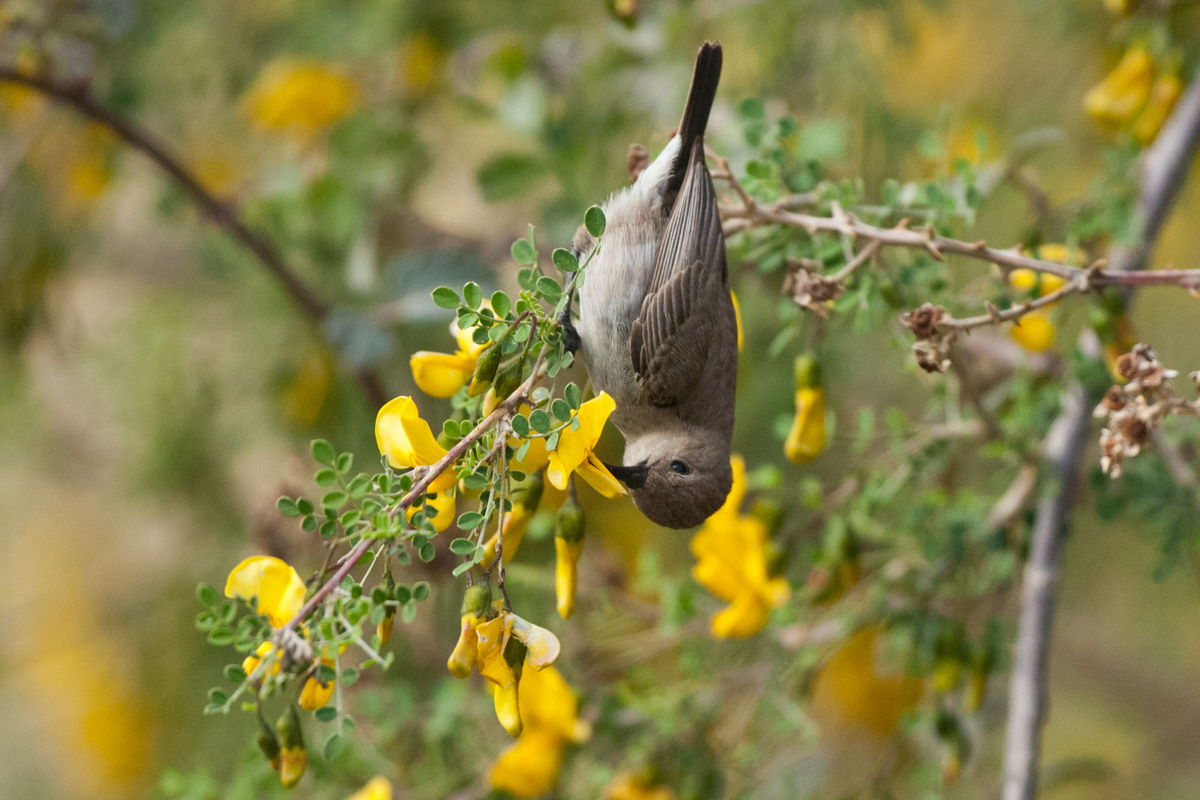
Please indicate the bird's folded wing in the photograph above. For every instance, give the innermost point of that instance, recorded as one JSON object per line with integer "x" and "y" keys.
{"x": 669, "y": 342}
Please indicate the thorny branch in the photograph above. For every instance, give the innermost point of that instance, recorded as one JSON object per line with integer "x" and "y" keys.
{"x": 225, "y": 214}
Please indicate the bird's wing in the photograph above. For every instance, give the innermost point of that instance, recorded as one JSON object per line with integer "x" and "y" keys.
{"x": 669, "y": 341}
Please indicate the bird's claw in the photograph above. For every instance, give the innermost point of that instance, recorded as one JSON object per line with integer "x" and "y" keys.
{"x": 571, "y": 340}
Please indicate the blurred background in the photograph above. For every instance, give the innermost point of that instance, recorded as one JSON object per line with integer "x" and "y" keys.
{"x": 158, "y": 390}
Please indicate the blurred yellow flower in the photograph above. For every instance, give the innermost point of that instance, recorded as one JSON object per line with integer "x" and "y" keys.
{"x": 1163, "y": 96}
{"x": 529, "y": 767}
{"x": 316, "y": 693}
{"x": 566, "y": 565}
{"x": 1034, "y": 331}
{"x": 300, "y": 97}
{"x": 1120, "y": 96}
{"x": 627, "y": 786}
{"x": 549, "y": 711}
{"x": 408, "y": 442}
{"x": 304, "y": 396}
{"x": 732, "y": 553}
{"x": 441, "y": 505}
{"x": 278, "y": 587}
{"x": 443, "y": 374}
{"x": 251, "y": 662}
{"x": 525, "y": 503}
{"x": 806, "y": 439}
{"x": 378, "y": 788}
{"x": 851, "y": 691}
{"x": 574, "y": 451}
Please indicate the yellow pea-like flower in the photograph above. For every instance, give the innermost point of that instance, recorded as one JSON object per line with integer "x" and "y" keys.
{"x": 575, "y": 446}
{"x": 806, "y": 439}
{"x": 1163, "y": 96}
{"x": 251, "y": 662}
{"x": 316, "y": 693}
{"x": 462, "y": 660}
{"x": 1034, "y": 331}
{"x": 276, "y": 585}
{"x": 1120, "y": 96}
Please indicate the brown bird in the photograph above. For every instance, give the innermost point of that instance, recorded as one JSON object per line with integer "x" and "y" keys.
{"x": 657, "y": 324}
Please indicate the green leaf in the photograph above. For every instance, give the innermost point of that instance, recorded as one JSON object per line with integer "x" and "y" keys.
{"x": 561, "y": 409}
{"x": 325, "y": 714}
{"x": 304, "y": 505}
{"x": 565, "y": 260}
{"x": 217, "y": 696}
{"x": 334, "y": 746}
{"x": 501, "y": 304}
{"x": 460, "y": 547}
{"x": 408, "y": 613}
{"x": 349, "y": 676}
{"x": 325, "y": 477}
{"x": 520, "y": 425}
{"x": 207, "y": 595}
{"x": 359, "y": 486}
{"x": 539, "y": 420}
{"x": 221, "y": 637}
{"x": 309, "y": 523}
{"x": 593, "y": 220}
{"x": 469, "y": 520}
{"x": 524, "y": 253}
{"x": 334, "y": 499}
{"x": 326, "y": 673}
{"x": 329, "y": 529}
{"x": 510, "y": 174}
{"x": 752, "y": 109}
{"x": 475, "y": 481}
{"x": 461, "y": 568}
{"x": 234, "y": 673}
{"x": 552, "y": 441}
{"x": 574, "y": 395}
{"x": 287, "y": 506}
{"x": 445, "y": 297}
{"x": 323, "y": 452}
{"x": 548, "y": 288}
{"x": 472, "y": 295}
{"x": 403, "y": 594}
{"x": 427, "y": 552}
{"x": 421, "y": 591}
{"x": 344, "y": 462}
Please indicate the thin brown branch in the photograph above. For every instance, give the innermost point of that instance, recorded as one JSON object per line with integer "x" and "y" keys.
{"x": 224, "y": 214}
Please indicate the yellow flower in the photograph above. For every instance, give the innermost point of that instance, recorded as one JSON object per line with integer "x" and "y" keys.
{"x": 566, "y": 574}
{"x": 250, "y": 663}
{"x": 737, "y": 316}
{"x": 316, "y": 692}
{"x": 1119, "y": 97}
{"x": 408, "y": 442}
{"x": 378, "y": 788}
{"x": 806, "y": 439}
{"x": 306, "y": 392}
{"x": 574, "y": 451}
{"x": 626, "y": 786}
{"x": 301, "y": 97}
{"x": 1034, "y": 331}
{"x": 443, "y": 374}
{"x": 530, "y": 766}
{"x": 549, "y": 710}
{"x": 420, "y": 62}
{"x": 442, "y": 503}
{"x": 850, "y": 689}
{"x": 278, "y": 587}
{"x": 384, "y": 628}
{"x": 1163, "y": 95}
{"x": 466, "y": 653}
{"x": 732, "y": 552}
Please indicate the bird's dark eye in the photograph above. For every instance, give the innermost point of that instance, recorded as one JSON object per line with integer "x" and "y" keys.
{"x": 680, "y": 467}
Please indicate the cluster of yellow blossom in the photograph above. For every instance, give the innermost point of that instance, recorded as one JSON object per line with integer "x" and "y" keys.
{"x": 1036, "y": 330}
{"x": 806, "y": 439}
{"x": 498, "y": 645}
{"x": 300, "y": 97}
{"x": 1137, "y": 96}
{"x": 733, "y": 552}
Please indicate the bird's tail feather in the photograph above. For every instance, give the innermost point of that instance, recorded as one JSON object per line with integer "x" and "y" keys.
{"x": 705, "y": 78}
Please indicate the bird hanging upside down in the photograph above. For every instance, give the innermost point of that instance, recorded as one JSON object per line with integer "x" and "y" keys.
{"x": 657, "y": 325}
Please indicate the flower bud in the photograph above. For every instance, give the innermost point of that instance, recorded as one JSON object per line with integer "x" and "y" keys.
{"x": 485, "y": 370}
{"x": 566, "y": 574}
{"x": 268, "y": 743}
{"x": 476, "y": 599}
{"x": 806, "y": 439}
{"x": 294, "y": 756}
{"x": 316, "y": 693}
{"x": 384, "y": 629}
{"x": 568, "y": 523}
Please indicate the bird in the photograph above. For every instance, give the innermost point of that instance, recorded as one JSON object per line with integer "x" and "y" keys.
{"x": 657, "y": 329}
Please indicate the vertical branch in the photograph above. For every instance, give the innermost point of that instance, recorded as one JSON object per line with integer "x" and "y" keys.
{"x": 1164, "y": 168}
{"x": 224, "y": 214}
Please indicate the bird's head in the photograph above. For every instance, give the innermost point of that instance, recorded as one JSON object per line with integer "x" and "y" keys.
{"x": 677, "y": 479}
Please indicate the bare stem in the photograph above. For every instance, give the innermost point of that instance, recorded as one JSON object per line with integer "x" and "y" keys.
{"x": 225, "y": 214}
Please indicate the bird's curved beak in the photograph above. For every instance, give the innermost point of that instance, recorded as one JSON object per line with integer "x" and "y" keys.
{"x": 633, "y": 477}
